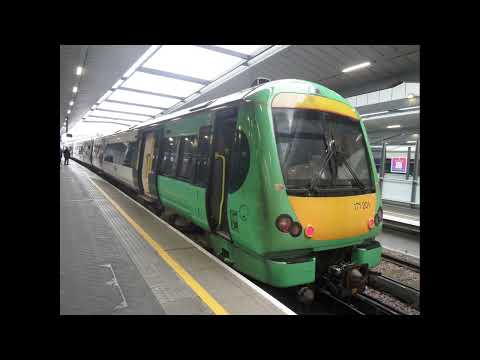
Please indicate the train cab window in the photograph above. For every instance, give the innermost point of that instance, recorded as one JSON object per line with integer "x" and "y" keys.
{"x": 131, "y": 150}
{"x": 169, "y": 156}
{"x": 202, "y": 157}
{"x": 240, "y": 161}
{"x": 185, "y": 158}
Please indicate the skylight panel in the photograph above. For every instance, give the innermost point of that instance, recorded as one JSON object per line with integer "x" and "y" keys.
{"x": 106, "y": 105}
{"x": 143, "y": 99}
{"x": 192, "y": 61}
{"x": 161, "y": 84}
{"x": 244, "y": 49}
{"x": 118, "y": 115}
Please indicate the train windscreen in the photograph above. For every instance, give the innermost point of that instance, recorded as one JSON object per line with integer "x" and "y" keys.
{"x": 321, "y": 153}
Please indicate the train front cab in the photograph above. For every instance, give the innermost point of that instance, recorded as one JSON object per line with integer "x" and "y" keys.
{"x": 335, "y": 227}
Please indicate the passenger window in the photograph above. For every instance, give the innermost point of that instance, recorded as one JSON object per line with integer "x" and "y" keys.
{"x": 185, "y": 159}
{"x": 202, "y": 157}
{"x": 108, "y": 154}
{"x": 131, "y": 150}
{"x": 169, "y": 156}
{"x": 239, "y": 161}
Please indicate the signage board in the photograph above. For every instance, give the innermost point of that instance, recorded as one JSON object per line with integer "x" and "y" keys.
{"x": 398, "y": 165}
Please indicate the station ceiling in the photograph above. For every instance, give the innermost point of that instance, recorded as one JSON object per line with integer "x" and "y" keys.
{"x": 104, "y": 65}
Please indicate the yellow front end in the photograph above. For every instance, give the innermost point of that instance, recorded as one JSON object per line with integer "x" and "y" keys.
{"x": 335, "y": 217}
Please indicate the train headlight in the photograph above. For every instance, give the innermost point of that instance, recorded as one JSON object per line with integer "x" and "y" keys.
{"x": 284, "y": 223}
{"x": 295, "y": 229}
{"x": 371, "y": 223}
{"x": 309, "y": 230}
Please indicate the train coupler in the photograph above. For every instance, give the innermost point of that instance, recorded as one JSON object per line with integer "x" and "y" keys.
{"x": 346, "y": 279}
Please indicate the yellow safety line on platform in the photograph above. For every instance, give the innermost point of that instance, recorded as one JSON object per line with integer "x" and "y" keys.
{"x": 189, "y": 280}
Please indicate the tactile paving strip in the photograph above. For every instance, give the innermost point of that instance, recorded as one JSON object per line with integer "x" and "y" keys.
{"x": 166, "y": 286}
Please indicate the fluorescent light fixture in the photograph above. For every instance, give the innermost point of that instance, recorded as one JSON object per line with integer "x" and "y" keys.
{"x": 410, "y": 108}
{"x": 75, "y": 89}
{"x": 412, "y": 141}
{"x": 143, "y": 99}
{"x": 79, "y": 70}
{"x": 374, "y": 113}
{"x": 68, "y": 111}
{"x": 161, "y": 84}
{"x": 244, "y": 49}
{"x": 392, "y": 115}
{"x": 70, "y": 103}
{"x": 117, "y": 84}
{"x": 356, "y": 67}
{"x": 119, "y": 115}
{"x": 192, "y": 61}
{"x": 106, "y": 105}
{"x": 142, "y": 58}
{"x": 393, "y": 126}
{"x": 106, "y": 95}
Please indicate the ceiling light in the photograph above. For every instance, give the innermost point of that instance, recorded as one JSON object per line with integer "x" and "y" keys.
{"x": 68, "y": 111}
{"x": 79, "y": 70}
{"x": 75, "y": 89}
{"x": 415, "y": 135}
{"x": 392, "y": 115}
{"x": 356, "y": 67}
{"x": 410, "y": 96}
{"x": 411, "y": 141}
{"x": 70, "y": 103}
{"x": 118, "y": 115}
{"x": 409, "y": 108}
{"x": 142, "y": 58}
{"x": 374, "y": 113}
{"x": 393, "y": 126}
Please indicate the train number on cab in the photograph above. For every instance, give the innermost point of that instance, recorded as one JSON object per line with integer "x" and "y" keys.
{"x": 361, "y": 205}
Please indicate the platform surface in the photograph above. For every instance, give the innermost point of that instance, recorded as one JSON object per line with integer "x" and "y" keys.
{"x": 402, "y": 214}
{"x": 116, "y": 257}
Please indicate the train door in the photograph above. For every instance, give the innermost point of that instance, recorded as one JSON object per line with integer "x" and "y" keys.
{"x": 148, "y": 175}
{"x": 223, "y": 136}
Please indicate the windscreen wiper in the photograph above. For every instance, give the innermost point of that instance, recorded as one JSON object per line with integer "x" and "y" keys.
{"x": 352, "y": 172}
{"x": 314, "y": 181}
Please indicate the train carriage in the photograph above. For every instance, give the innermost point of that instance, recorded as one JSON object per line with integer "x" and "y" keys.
{"x": 280, "y": 176}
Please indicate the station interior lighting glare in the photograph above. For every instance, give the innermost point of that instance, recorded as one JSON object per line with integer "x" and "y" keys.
{"x": 393, "y": 126}
{"x": 79, "y": 70}
{"x": 410, "y": 96}
{"x": 411, "y": 141}
{"x": 70, "y": 103}
{"x": 356, "y": 67}
{"x": 69, "y": 111}
{"x": 75, "y": 89}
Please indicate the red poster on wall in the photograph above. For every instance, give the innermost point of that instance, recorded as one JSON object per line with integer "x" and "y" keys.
{"x": 398, "y": 165}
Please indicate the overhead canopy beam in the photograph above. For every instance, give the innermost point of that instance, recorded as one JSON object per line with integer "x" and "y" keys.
{"x": 123, "y": 112}
{"x": 226, "y": 51}
{"x": 135, "y": 104}
{"x": 105, "y": 122}
{"x": 173, "y": 76}
{"x": 112, "y": 118}
{"x": 151, "y": 93}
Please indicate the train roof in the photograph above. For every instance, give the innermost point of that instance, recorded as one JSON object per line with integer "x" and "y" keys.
{"x": 287, "y": 84}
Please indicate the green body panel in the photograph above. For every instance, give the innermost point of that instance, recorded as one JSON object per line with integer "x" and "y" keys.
{"x": 187, "y": 199}
{"x": 372, "y": 257}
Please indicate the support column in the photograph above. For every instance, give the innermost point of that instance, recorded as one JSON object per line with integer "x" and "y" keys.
{"x": 382, "y": 165}
{"x": 415, "y": 173}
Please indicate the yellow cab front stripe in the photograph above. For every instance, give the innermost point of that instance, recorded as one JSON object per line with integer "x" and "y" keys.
{"x": 313, "y": 102}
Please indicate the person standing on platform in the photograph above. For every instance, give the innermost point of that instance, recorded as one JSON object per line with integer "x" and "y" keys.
{"x": 66, "y": 155}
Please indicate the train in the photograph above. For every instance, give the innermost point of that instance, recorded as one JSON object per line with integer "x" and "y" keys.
{"x": 279, "y": 176}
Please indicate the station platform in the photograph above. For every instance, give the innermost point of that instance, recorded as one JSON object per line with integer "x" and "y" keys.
{"x": 118, "y": 258}
{"x": 401, "y": 214}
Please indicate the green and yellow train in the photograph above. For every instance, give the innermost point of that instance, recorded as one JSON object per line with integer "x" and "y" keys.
{"x": 280, "y": 176}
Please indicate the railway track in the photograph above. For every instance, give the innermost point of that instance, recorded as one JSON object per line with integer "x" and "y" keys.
{"x": 402, "y": 263}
